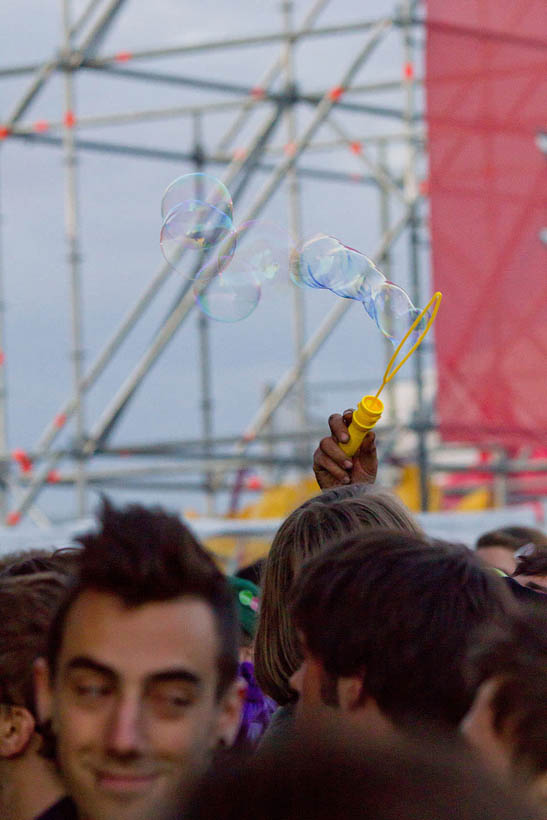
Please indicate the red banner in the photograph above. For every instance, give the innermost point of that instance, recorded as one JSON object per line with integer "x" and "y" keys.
{"x": 486, "y": 87}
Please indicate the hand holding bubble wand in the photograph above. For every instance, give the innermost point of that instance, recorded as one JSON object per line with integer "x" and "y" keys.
{"x": 370, "y": 408}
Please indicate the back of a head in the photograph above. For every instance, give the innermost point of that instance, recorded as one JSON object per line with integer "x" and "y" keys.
{"x": 515, "y": 657}
{"x": 143, "y": 556}
{"x": 338, "y": 775}
{"x": 307, "y": 532}
{"x": 27, "y": 607}
{"x": 403, "y": 610}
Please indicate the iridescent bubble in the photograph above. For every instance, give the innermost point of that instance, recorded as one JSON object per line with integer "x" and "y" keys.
{"x": 262, "y": 251}
{"x": 395, "y": 313}
{"x": 200, "y": 187}
{"x": 331, "y": 265}
{"x": 302, "y": 261}
{"x": 195, "y": 225}
{"x": 231, "y": 295}
{"x": 198, "y": 214}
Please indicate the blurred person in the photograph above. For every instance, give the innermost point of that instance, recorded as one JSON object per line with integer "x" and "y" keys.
{"x": 29, "y": 784}
{"x": 507, "y": 722}
{"x": 384, "y": 621}
{"x": 497, "y": 548}
{"x": 306, "y": 532}
{"x": 333, "y": 468}
{"x": 258, "y": 708}
{"x": 333, "y": 773}
{"x": 139, "y": 686}
{"x": 531, "y": 570}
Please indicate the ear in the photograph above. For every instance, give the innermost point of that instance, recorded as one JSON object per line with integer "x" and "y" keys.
{"x": 230, "y": 712}
{"x": 350, "y": 691}
{"x": 42, "y": 689}
{"x": 16, "y": 730}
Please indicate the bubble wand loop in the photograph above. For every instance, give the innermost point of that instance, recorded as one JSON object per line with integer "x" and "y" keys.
{"x": 370, "y": 408}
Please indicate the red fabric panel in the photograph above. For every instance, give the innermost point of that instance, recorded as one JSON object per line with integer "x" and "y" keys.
{"x": 486, "y": 89}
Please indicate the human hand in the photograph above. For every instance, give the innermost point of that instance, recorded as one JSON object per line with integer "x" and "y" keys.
{"x": 333, "y": 468}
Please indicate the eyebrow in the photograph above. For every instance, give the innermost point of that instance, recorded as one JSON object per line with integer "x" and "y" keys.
{"x": 177, "y": 674}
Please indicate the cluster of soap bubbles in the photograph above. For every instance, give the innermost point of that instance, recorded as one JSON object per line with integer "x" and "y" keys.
{"x": 324, "y": 262}
{"x": 229, "y": 266}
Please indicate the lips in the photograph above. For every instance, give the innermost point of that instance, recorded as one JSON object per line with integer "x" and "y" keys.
{"x": 124, "y": 783}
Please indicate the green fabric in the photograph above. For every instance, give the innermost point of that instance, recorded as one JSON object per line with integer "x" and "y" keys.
{"x": 247, "y": 598}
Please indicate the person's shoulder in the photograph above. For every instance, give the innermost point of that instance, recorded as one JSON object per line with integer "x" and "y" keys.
{"x": 63, "y": 809}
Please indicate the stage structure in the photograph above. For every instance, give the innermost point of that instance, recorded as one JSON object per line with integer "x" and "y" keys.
{"x": 281, "y": 154}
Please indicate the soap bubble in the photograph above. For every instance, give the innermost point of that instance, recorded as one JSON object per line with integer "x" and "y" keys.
{"x": 329, "y": 264}
{"x": 324, "y": 262}
{"x": 195, "y": 225}
{"x": 198, "y": 214}
{"x": 261, "y": 250}
{"x": 303, "y": 260}
{"x": 231, "y": 295}
{"x": 395, "y": 313}
{"x": 200, "y": 187}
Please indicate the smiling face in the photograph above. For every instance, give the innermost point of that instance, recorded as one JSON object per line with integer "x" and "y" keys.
{"x": 134, "y": 704}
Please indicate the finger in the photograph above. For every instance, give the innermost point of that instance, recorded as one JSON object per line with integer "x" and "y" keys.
{"x": 322, "y": 462}
{"x": 338, "y": 428}
{"x": 330, "y": 448}
{"x": 368, "y": 444}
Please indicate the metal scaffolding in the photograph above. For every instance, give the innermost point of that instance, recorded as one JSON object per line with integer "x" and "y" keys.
{"x": 213, "y": 464}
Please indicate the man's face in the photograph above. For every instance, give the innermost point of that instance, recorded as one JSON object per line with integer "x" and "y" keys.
{"x": 311, "y": 683}
{"x": 133, "y": 703}
{"x": 497, "y": 557}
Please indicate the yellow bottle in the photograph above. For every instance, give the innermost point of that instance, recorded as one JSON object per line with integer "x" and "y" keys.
{"x": 369, "y": 410}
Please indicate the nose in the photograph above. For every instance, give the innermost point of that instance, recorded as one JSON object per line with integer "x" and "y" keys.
{"x": 124, "y": 733}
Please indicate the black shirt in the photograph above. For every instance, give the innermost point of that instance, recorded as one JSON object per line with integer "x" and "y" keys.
{"x": 63, "y": 809}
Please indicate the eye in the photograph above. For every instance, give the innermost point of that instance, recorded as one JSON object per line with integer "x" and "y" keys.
{"x": 90, "y": 691}
{"x": 170, "y": 702}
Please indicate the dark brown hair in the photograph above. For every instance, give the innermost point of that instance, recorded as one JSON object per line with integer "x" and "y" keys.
{"x": 28, "y": 603}
{"x": 306, "y": 532}
{"x": 398, "y": 611}
{"x": 145, "y": 555}
{"x": 516, "y": 657}
{"x": 512, "y": 538}
{"x": 533, "y": 564}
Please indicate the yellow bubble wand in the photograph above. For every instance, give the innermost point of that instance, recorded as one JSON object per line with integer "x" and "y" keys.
{"x": 370, "y": 408}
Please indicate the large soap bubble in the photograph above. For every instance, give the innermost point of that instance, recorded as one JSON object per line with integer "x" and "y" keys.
{"x": 324, "y": 262}
{"x": 197, "y": 214}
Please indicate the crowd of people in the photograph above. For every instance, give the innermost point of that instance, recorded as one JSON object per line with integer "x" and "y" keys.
{"x": 361, "y": 669}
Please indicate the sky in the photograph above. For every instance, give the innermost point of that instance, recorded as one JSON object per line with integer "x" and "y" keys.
{"x": 119, "y": 221}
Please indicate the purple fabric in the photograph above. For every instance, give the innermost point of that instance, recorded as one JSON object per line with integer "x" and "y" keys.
{"x": 258, "y": 708}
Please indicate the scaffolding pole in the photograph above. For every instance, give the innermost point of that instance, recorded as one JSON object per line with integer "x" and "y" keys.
{"x": 73, "y": 252}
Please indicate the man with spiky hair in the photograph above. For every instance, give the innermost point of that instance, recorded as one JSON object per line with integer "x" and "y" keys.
{"x": 139, "y": 684}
